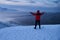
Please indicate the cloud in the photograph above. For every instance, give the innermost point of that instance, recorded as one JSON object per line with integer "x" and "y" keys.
{"x": 13, "y": 0}
{"x": 44, "y": 3}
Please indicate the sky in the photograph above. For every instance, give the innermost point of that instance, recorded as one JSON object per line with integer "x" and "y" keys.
{"x": 16, "y": 6}
{"x": 45, "y": 3}
{"x": 35, "y": 3}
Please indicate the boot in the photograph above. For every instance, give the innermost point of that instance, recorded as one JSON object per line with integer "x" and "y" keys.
{"x": 34, "y": 27}
{"x": 39, "y": 27}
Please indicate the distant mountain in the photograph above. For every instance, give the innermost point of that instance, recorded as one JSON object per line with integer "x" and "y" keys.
{"x": 51, "y": 18}
{"x": 25, "y": 18}
{"x": 47, "y": 18}
{"x": 3, "y": 25}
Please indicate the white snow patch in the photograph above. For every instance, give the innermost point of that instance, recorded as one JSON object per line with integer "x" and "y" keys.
{"x": 47, "y": 32}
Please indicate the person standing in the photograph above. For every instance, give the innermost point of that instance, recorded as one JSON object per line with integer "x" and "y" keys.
{"x": 37, "y": 15}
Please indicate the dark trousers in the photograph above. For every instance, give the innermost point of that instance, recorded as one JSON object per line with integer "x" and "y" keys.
{"x": 37, "y": 22}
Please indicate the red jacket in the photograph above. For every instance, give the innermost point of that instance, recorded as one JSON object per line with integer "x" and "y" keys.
{"x": 37, "y": 15}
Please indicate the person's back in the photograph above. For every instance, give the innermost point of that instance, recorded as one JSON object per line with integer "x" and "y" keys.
{"x": 37, "y": 18}
{"x": 38, "y": 15}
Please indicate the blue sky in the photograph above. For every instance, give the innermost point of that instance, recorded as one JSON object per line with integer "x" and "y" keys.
{"x": 36, "y": 3}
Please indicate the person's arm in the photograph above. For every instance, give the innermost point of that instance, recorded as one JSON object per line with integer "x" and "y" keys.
{"x": 32, "y": 13}
{"x": 42, "y": 13}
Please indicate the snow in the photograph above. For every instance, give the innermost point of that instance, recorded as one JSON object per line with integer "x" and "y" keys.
{"x": 47, "y": 32}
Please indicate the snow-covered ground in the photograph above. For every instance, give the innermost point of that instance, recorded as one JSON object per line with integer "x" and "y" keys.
{"x": 47, "y": 32}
